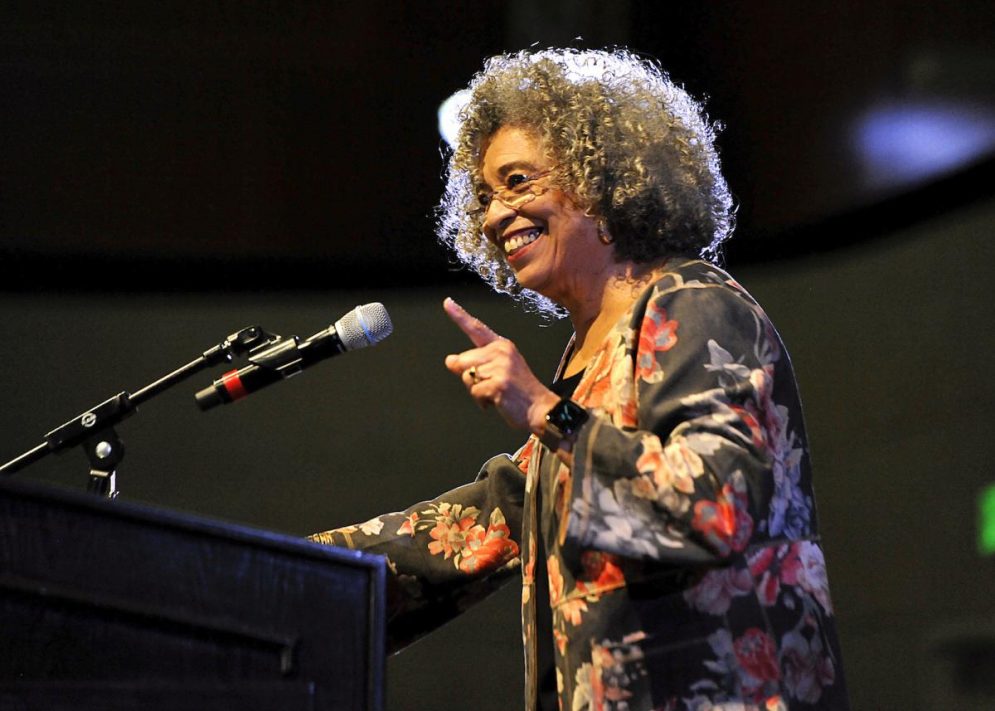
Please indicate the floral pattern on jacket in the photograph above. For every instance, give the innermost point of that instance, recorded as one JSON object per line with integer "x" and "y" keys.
{"x": 684, "y": 566}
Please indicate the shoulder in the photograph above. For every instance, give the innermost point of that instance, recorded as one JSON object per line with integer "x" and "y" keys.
{"x": 696, "y": 309}
{"x": 700, "y": 291}
{"x": 690, "y": 275}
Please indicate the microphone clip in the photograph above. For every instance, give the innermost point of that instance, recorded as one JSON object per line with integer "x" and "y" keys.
{"x": 282, "y": 355}
{"x": 247, "y": 340}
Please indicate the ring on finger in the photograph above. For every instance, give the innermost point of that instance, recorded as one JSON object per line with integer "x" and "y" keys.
{"x": 472, "y": 372}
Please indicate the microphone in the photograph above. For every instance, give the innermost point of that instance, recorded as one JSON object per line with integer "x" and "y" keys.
{"x": 364, "y": 326}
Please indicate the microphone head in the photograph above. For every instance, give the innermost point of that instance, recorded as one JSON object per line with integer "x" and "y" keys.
{"x": 364, "y": 326}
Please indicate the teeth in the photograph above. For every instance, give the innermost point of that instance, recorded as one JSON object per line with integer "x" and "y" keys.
{"x": 521, "y": 239}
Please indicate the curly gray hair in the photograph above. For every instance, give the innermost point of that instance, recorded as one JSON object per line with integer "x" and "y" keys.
{"x": 630, "y": 146}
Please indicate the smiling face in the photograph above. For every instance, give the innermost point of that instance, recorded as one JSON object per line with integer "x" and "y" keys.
{"x": 549, "y": 241}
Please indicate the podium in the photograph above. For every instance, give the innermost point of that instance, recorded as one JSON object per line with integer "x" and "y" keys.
{"x": 111, "y": 605}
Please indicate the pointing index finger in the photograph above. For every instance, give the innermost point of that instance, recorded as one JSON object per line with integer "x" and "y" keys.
{"x": 478, "y": 332}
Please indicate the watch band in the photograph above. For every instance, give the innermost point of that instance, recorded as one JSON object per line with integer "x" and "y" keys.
{"x": 562, "y": 424}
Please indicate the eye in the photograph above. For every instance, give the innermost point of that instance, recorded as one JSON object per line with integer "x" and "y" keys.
{"x": 517, "y": 181}
{"x": 483, "y": 198}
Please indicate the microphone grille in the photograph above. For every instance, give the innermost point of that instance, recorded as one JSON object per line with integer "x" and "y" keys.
{"x": 364, "y": 326}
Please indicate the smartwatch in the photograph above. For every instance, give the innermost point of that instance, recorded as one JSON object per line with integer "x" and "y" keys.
{"x": 562, "y": 423}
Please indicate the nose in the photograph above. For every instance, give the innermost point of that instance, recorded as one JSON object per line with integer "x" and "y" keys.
{"x": 496, "y": 217}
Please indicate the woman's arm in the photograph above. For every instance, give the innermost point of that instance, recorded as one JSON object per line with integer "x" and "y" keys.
{"x": 444, "y": 554}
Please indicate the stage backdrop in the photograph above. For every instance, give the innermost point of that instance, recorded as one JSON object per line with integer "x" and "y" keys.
{"x": 891, "y": 341}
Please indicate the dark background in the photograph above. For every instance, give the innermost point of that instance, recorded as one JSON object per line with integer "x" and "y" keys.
{"x": 170, "y": 172}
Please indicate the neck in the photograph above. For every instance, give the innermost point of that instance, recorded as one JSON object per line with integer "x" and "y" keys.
{"x": 612, "y": 296}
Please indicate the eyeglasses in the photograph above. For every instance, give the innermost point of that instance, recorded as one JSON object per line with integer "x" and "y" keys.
{"x": 519, "y": 189}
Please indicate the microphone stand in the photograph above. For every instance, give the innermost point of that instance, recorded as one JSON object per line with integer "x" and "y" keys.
{"x": 94, "y": 429}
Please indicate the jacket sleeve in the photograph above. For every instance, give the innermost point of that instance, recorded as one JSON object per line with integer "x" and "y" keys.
{"x": 711, "y": 456}
{"x": 444, "y": 554}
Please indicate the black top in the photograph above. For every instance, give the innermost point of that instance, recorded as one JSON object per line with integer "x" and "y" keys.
{"x": 566, "y": 386}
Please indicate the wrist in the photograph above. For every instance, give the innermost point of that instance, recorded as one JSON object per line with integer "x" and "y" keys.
{"x": 540, "y": 408}
{"x": 562, "y": 425}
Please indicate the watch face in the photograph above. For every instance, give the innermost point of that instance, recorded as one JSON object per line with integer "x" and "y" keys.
{"x": 567, "y": 416}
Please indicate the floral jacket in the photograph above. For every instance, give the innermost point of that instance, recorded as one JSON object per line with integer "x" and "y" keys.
{"x": 684, "y": 565}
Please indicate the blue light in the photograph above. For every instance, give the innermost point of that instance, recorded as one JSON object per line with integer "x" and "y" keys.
{"x": 909, "y": 143}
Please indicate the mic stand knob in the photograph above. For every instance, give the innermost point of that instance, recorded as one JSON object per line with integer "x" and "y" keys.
{"x": 105, "y": 450}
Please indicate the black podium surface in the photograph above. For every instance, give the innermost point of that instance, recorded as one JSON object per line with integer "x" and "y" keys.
{"x": 111, "y": 605}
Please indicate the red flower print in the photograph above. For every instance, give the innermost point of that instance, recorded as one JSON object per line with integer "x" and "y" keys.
{"x": 457, "y": 535}
{"x": 489, "y": 553}
{"x": 524, "y": 454}
{"x": 643, "y": 488}
{"x": 408, "y": 527}
{"x": 725, "y": 524}
{"x": 716, "y": 520}
{"x": 595, "y": 390}
{"x": 570, "y": 609}
{"x": 656, "y": 335}
{"x": 791, "y": 565}
{"x": 756, "y": 653}
{"x": 617, "y": 668}
{"x": 625, "y": 391}
{"x": 561, "y": 492}
{"x": 589, "y": 692}
{"x": 601, "y": 571}
{"x": 651, "y": 459}
{"x": 716, "y": 589}
{"x": 749, "y": 419}
{"x": 529, "y": 571}
{"x": 560, "y": 639}
{"x": 628, "y": 414}
{"x": 599, "y": 393}
{"x": 684, "y": 464}
{"x": 490, "y": 549}
{"x": 555, "y": 581}
{"x": 451, "y": 534}
{"x": 762, "y": 560}
{"x": 768, "y": 583}
{"x": 771, "y": 568}
{"x": 672, "y": 468}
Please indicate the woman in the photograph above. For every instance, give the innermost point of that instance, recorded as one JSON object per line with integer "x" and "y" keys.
{"x": 661, "y": 510}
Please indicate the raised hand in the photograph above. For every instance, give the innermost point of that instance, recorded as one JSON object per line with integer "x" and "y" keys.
{"x": 495, "y": 373}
